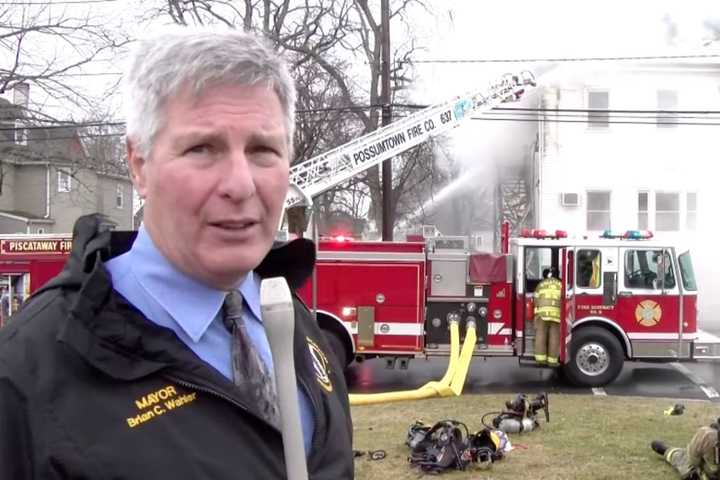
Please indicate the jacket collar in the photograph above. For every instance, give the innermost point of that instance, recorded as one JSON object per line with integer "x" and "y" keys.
{"x": 114, "y": 336}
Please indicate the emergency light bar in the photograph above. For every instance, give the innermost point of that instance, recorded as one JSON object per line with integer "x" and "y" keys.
{"x": 628, "y": 235}
{"x": 540, "y": 233}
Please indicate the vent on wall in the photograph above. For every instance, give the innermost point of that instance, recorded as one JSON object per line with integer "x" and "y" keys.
{"x": 570, "y": 199}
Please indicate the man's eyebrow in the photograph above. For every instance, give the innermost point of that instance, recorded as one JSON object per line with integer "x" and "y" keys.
{"x": 267, "y": 137}
{"x": 196, "y": 135}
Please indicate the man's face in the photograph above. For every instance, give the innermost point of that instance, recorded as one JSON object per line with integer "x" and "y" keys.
{"x": 215, "y": 182}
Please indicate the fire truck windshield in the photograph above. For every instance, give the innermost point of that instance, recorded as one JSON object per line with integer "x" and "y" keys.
{"x": 687, "y": 272}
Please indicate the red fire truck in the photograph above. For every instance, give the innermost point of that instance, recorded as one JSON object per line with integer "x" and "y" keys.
{"x": 624, "y": 298}
{"x": 26, "y": 263}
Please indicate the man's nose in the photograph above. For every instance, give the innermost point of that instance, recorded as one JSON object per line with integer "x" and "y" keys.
{"x": 238, "y": 182}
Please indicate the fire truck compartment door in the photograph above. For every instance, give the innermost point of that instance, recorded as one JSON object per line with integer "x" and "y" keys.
{"x": 366, "y": 326}
{"x": 449, "y": 276}
{"x": 567, "y": 308}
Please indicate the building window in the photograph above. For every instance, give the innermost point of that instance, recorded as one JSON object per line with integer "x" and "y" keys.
{"x": 667, "y": 212}
{"x": 691, "y": 211}
{"x": 643, "y": 210}
{"x": 21, "y": 133}
{"x": 667, "y": 100}
{"x": 598, "y": 210}
{"x": 119, "y": 196}
{"x": 40, "y": 231}
{"x": 598, "y": 104}
{"x": 64, "y": 181}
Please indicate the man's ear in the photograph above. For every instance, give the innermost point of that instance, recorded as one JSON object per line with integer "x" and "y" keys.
{"x": 136, "y": 163}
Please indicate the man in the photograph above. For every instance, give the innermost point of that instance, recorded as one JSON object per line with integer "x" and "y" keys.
{"x": 547, "y": 318}
{"x": 155, "y": 363}
{"x": 699, "y": 460}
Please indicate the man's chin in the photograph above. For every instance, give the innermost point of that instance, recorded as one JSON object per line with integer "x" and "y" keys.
{"x": 232, "y": 268}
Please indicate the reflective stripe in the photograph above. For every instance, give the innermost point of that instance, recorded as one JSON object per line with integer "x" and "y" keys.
{"x": 549, "y": 314}
{"x": 547, "y": 302}
{"x": 540, "y": 358}
{"x": 552, "y": 361}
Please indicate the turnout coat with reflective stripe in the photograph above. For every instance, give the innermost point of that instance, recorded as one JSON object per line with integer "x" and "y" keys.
{"x": 547, "y": 300}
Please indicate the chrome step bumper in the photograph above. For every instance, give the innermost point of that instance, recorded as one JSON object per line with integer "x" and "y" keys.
{"x": 706, "y": 346}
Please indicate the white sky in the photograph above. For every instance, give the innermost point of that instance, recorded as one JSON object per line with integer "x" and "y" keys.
{"x": 473, "y": 30}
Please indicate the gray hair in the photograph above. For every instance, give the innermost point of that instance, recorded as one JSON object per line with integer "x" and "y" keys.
{"x": 197, "y": 58}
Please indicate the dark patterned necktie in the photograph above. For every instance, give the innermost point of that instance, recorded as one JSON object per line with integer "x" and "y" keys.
{"x": 250, "y": 373}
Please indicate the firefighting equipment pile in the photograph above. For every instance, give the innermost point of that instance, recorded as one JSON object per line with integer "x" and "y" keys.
{"x": 521, "y": 414}
{"x": 449, "y": 445}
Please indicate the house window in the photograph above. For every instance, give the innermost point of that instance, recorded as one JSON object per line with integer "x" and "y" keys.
{"x": 119, "y": 196}
{"x": 691, "y": 211}
{"x": 598, "y": 101}
{"x": 667, "y": 100}
{"x": 643, "y": 210}
{"x": 598, "y": 210}
{"x": 667, "y": 212}
{"x": 21, "y": 133}
{"x": 64, "y": 181}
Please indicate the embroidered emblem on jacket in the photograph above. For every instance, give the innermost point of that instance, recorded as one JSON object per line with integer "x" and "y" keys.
{"x": 320, "y": 365}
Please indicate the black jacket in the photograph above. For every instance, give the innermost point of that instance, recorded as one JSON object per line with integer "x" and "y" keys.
{"x": 90, "y": 389}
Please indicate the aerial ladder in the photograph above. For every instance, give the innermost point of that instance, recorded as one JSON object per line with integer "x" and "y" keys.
{"x": 319, "y": 174}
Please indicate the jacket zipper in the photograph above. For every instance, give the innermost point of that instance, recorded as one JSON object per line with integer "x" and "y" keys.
{"x": 215, "y": 393}
{"x": 212, "y": 392}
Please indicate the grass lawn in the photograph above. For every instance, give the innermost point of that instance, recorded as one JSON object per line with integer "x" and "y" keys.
{"x": 588, "y": 437}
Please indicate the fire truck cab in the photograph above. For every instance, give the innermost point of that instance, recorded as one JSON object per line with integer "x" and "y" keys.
{"x": 623, "y": 298}
{"x": 26, "y": 263}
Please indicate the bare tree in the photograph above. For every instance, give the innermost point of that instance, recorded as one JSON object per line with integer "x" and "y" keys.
{"x": 335, "y": 49}
{"x": 43, "y": 44}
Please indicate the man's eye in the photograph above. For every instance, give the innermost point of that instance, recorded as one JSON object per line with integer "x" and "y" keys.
{"x": 199, "y": 149}
{"x": 266, "y": 149}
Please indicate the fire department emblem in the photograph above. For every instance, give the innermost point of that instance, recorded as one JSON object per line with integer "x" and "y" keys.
{"x": 320, "y": 365}
{"x": 648, "y": 313}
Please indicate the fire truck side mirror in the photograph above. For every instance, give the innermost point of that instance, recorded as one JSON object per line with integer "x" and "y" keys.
{"x": 609, "y": 288}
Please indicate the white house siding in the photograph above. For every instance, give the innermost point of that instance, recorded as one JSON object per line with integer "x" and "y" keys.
{"x": 627, "y": 159}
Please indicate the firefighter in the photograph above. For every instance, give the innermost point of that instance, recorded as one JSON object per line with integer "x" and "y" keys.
{"x": 699, "y": 460}
{"x": 547, "y": 318}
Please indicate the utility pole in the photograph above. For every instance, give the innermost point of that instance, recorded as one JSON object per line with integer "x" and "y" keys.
{"x": 387, "y": 216}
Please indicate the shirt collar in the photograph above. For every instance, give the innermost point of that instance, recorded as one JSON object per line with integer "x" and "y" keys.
{"x": 191, "y": 304}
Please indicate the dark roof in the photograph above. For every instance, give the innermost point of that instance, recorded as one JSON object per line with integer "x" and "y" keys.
{"x": 27, "y": 216}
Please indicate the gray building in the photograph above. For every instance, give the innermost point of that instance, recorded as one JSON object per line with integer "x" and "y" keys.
{"x": 47, "y": 179}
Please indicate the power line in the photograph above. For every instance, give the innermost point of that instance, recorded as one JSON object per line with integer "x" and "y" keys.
{"x": 56, "y": 127}
{"x": 595, "y": 123}
{"x": 59, "y": 2}
{"x": 570, "y": 59}
{"x": 579, "y": 110}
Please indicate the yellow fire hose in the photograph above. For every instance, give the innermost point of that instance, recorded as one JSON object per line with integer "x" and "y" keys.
{"x": 450, "y": 384}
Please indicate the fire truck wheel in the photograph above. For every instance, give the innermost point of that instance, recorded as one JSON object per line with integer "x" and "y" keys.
{"x": 338, "y": 348}
{"x": 596, "y": 358}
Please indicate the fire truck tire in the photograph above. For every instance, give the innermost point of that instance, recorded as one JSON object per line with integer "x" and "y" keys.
{"x": 596, "y": 358}
{"x": 338, "y": 348}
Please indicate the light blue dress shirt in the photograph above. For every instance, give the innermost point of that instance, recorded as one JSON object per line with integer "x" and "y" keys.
{"x": 191, "y": 309}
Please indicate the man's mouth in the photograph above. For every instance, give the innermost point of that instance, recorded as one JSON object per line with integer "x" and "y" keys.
{"x": 235, "y": 224}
